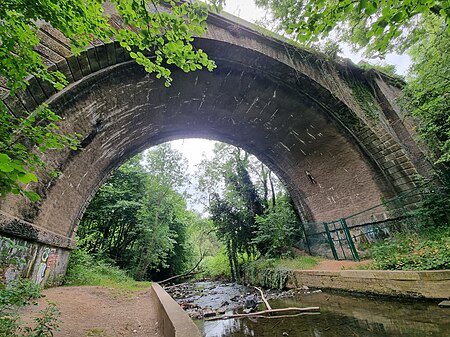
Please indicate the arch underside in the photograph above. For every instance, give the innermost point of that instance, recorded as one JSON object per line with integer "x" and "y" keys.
{"x": 273, "y": 112}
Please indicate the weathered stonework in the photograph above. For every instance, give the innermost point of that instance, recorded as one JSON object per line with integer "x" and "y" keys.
{"x": 42, "y": 263}
{"x": 293, "y": 109}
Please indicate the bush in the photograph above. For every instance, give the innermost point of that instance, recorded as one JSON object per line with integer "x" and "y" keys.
{"x": 278, "y": 229}
{"x": 430, "y": 251}
{"x": 217, "y": 266}
{"x": 17, "y": 294}
{"x": 85, "y": 269}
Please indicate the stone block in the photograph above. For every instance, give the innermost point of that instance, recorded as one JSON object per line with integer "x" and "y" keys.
{"x": 35, "y": 89}
{"x": 75, "y": 69}
{"x": 84, "y": 64}
{"x": 93, "y": 59}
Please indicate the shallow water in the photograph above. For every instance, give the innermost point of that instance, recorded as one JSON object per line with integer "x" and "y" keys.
{"x": 341, "y": 315}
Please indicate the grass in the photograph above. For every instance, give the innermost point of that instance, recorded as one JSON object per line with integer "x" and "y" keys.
{"x": 86, "y": 270}
{"x": 299, "y": 262}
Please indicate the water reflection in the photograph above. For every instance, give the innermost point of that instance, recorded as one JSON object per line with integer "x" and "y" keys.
{"x": 342, "y": 315}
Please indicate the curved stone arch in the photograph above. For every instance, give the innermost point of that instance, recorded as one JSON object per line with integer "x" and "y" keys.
{"x": 299, "y": 75}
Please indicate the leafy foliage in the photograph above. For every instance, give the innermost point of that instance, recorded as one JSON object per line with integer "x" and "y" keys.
{"x": 148, "y": 32}
{"x": 138, "y": 219}
{"x": 18, "y": 136}
{"x": 249, "y": 217}
{"x": 278, "y": 229}
{"x": 378, "y": 25}
{"x": 18, "y": 293}
{"x": 414, "y": 252}
{"x": 427, "y": 94}
{"x": 217, "y": 265}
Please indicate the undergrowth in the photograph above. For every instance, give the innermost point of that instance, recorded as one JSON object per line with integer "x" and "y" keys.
{"x": 216, "y": 266}
{"x": 85, "y": 269}
{"x": 274, "y": 273}
{"x": 429, "y": 251}
{"x": 18, "y": 293}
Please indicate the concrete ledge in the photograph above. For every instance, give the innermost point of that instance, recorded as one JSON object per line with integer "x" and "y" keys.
{"x": 420, "y": 284}
{"x": 16, "y": 227}
{"x": 173, "y": 321}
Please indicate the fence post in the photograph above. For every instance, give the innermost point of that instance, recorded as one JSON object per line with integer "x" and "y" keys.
{"x": 330, "y": 241}
{"x": 349, "y": 239}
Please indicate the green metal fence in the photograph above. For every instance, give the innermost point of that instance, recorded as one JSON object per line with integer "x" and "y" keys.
{"x": 339, "y": 238}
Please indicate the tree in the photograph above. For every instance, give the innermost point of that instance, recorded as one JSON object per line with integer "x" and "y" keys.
{"x": 239, "y": 188}
{"x": 427, "y": 94}
{"x": 279, "y": 229}
{"x": 138, "y": 220}
{"x": 148, "y": 32}
{"x": 377, "y": 25}
{"x": 111, "y": 223}
{"x": 168, "y": 166}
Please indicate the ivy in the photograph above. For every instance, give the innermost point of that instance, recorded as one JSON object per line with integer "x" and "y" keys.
{"x": 365, "y": 99}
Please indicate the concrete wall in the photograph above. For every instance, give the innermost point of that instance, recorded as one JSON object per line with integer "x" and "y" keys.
{"x": 173, "y": 321}
{"x": 419, "y": 284}
{"x": 44, "y": 264}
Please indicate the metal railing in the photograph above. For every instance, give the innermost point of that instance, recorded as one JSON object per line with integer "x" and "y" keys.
{"x": 340, "y": 236}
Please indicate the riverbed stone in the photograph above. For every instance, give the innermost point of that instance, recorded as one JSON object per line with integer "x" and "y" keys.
{"x": 444, "y": 304}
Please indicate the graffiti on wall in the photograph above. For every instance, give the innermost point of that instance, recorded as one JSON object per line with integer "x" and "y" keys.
{"x": 12, "y": 259}
{"x": 22, "y": 258}
{"x": 49, "y": 257}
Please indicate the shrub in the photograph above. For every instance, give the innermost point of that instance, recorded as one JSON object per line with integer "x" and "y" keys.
{"x": 17, "y": 294}
{"x": 429, "y": 251}
{"x": 85, "y": 269}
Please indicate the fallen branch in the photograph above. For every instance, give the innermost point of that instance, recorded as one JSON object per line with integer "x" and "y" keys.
{"x": 190, "y": 272}
{"x": 264, "y": 299}
{"x": 293, "y": 315}
{"x": 265, "y": 312}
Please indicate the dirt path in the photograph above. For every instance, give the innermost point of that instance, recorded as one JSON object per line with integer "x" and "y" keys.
{"x": 339, "y": 265}
{"x": 100, "y": 312}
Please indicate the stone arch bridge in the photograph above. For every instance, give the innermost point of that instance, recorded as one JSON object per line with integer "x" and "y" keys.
{"x": 331, "y": 131}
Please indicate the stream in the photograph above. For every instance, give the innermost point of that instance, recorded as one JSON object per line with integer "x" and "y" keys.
{"x": 340, "y": 314}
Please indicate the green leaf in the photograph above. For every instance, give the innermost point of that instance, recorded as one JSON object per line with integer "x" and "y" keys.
{"x": 4, "y": 158}
{"x": 26, "y": 178}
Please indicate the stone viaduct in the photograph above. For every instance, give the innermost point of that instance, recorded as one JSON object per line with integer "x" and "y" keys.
{"x": 330, "y": 130}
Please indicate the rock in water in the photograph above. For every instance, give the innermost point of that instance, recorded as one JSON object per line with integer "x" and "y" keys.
{"x": 444, "y": 304}
{"x": 251, "y": 301}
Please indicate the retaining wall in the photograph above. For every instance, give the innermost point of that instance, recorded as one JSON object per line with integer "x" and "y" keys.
{"x": 173, "y": 321}
{"x": 417, "y": 284}
{"x": 44, "y": 264}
